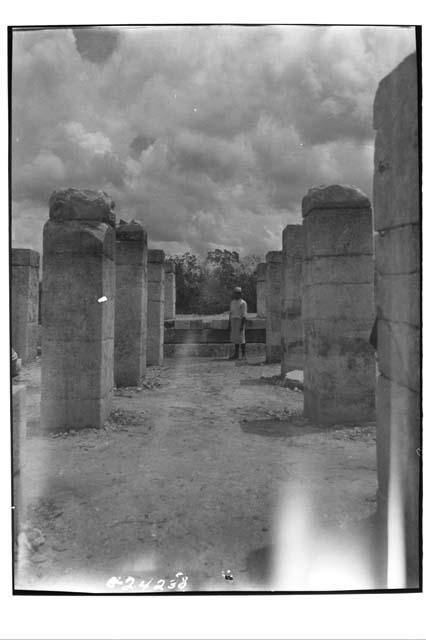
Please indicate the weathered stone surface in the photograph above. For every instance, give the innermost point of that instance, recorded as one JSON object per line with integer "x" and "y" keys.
{"x": 129, "y": 231}
{"x": 291, "y": 298}
{"x": 396, "y": 217}
{"x": 82, "y": 204}
{"x": 261, "y": 289}
{"x": 336, "y": 196}
{"x": 25, "y": 258}
{"x": 19, "y": 433}
{"x": 338, "y": 232}
{"x": 399, "y": 349}
{"x": 337, "y": 269}
{"x": 131, "y": 304}
{"x": 338, "y": 307}
{"x": 339, "y": 301}
{"x": 398, "y": 297}
{"x": 206, "y": 335}
{"x": 273, "y": 306}
{"x": 24, "y": 302}
{"x": 396, "y": 155}
{"x": 156, "y": 279}
{"x": 169, "y": 290}
{"x": 156, "y": 255}
{"x": 19, "y": 425}
{"x": 391, "y": 250}
{"x": 398, "y": 463}
{"x": 210, "y": 350}
{"x": 78, "y": 328}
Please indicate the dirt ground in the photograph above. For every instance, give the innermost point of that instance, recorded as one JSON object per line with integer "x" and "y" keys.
{"x": 200, "y": 472}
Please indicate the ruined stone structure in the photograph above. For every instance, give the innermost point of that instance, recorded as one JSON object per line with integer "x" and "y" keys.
{"x": 169, "y": 290}
{"x": 273, "y": 306}
{"x": 131, "y": 303}
{"x": 291, "y": 299}
{"x": 260, "y": 290}
{"x": 338, "y": 305}
{"x": 396, "y": 219}
{"x": 210, "y": 337}
{"x": 19, "y": 432}
{"x": 78, "y": 310}
{"x": 24, "y": 303}
{"x": 156, "y": 279}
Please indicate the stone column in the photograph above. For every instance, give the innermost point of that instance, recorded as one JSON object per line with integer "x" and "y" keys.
{"x": 131, "y": 301}
{"x": 24, "y": 302}
{"x": 261, "y": 290}
{"x": 19, "y": 433}
{"x": 155, "y": 346}
{"x": 291, "y": 299}
{"x": 78, "y": 310}
{"x": 338, "y": 305}
{"x": 396, "y": 219}
{"x": 273, "y": 306}
{"x": 169, "y": 290}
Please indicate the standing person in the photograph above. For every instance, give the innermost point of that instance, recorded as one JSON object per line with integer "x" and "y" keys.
{"x": 237, "y": 323}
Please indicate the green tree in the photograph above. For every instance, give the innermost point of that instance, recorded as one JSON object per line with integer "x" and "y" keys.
{"x": 205, "y": 287}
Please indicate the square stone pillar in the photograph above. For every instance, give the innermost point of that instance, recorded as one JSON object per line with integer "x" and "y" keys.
{"x": 78, "y": 310}
{"x": 292, "y": 352}
{"x": 131, "y": 303}
{"x": 397, "y": 221}
{"x": 261, "y": 290}
{"x": 19, "y": 433}
{"x": 169, "y": 290}
{"x": 24, "y": 303}
{"x": 156, "y": 279}
{"x": 338, "y": 305}
{"x": 273, "y": 306}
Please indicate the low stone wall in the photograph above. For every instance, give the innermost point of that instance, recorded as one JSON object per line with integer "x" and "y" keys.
{"x": 210, "y": 350}
{"x": 204, "y": 331}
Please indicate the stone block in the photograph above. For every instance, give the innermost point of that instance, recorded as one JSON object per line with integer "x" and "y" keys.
{"x": 24, "y": 302}
{"x": 82, "y": 204}
{"x": 210, "y": 350}
{"x": 169, "y": 290}
{"x": 398, "y": 250}
{"x": 291, "y": 298}
{"x": 78, "y": 329}
{"x": 339, "y": 269}
{"x": 396, "y": 157}
{"x": 25, "y": 258}
{"x": 338, "y": 232}
{"x": 331, "y": 301}
{"x": 399, "y": 353}
{"x": 273, "y": 306}
{"x": 338, "y": 306}
{"x": 398, "y": 463}
{"x": 334, "y": 197}
{"x": 261, "y": 289}
{"x": 131, "y": 305}
{"x": 396, "y": 217}
{"x": 183, "y": 324}
{"x": 156, "y": 279}
{"x": 19, "y": 425}
{"x": 398, "y": 298}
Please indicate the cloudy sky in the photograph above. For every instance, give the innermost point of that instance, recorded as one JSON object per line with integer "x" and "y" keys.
{"x": 208, "y": 135}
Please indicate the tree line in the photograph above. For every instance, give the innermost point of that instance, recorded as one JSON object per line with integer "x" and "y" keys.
{"x": 204, "y": 285}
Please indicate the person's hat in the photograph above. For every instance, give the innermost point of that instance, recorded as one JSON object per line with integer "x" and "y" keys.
{"x": 237, "y": 290}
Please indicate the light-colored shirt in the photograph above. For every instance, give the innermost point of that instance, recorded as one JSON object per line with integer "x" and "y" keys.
{"x": 238, "y": 308}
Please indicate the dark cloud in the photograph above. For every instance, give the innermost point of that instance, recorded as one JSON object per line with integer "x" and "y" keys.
{"x": 211, "y": 136}
{"x": 96, "y": 45}
{"x": 140, "y": 143}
